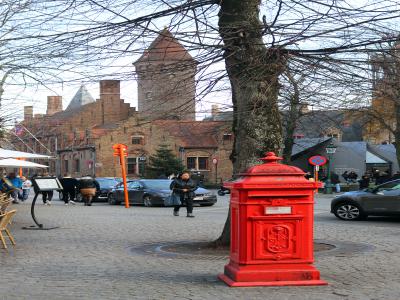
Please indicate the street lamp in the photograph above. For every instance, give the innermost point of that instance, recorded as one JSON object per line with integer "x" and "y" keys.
{"x": 330, "y": 150}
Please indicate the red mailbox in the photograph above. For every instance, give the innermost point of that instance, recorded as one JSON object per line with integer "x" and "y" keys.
{"x": 272, "y": 227}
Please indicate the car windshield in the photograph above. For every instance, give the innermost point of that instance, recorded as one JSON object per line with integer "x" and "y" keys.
{"x": 394, "y": 185}
{"x": 107, "y": 182}
{"x": 156, "y": 184}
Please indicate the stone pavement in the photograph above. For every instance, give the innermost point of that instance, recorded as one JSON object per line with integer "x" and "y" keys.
{"x": 89, "y": 256}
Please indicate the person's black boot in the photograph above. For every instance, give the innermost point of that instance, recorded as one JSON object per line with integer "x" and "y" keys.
{"x": 190, "y": 215}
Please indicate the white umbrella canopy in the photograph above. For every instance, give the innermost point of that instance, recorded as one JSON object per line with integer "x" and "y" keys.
{"x": 16, "y": 163}
{"x": 5, "y": 153}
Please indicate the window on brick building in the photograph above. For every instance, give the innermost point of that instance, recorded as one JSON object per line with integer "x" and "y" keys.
{"x": 202, "y": 163}
{"x": 191, "y": 162}
{"x": 137, "y": 140}
{"x": 149, "y": 95}
{"x": 66, "y": 166}
{"x": 77, "y": 165}
{"x": 197, "y": 163}
{"x": 227, "y": 137}
{"x": 131, "y": 165}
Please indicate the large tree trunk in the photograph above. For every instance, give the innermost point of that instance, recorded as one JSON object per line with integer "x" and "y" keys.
{"x": 397, "y": 132}
{"x": 253, "y": 71}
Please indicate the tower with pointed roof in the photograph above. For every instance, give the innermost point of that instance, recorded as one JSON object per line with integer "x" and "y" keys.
{"x": 166, "y": 80}
{"x": 82, "y": 97}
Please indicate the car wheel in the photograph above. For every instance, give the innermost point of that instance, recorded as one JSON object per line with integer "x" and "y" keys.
{"x": 147, "y": 201}
{"x": 111, "y": 200}
{"x": 79, "y": 197}
{"x": 221, "y": 193}
{"x": 349, "y": 212}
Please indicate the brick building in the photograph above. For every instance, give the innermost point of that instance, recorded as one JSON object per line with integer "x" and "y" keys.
{"x": 166, "y": 80}
{"x": 82, "y": 135}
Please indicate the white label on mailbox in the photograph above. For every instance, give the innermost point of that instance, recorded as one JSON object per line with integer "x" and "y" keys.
{"x": 276, "y": 210}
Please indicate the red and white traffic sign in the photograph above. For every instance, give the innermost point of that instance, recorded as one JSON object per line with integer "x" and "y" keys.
{"x": 215, "y": 161}
{"x": 317, "y": 160}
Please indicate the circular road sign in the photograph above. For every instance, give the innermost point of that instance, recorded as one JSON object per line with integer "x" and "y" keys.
{"x": 215, "y": 161}
{"x": 317, "y": 160}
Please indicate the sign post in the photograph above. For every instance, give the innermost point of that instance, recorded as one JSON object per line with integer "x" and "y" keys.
{"x": 120, "y": 150}
{"x": 317, "y": 161}
{"x": 42, "y": 185}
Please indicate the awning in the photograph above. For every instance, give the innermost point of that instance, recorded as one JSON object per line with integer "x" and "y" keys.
{"x": 373, "y": 159}
{"x": 5, "y": 153}
{"x": 16, "y": 163}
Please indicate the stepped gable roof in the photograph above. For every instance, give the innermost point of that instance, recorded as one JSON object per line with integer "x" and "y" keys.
{"x": 165, "y": 48}
{"x": 82, "y": 97}
{"x": 193, "y": 134}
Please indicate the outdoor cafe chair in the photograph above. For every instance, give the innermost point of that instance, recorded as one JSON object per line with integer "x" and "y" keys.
{"x": 4, "y": 203}
{"x": 4, "y": 222}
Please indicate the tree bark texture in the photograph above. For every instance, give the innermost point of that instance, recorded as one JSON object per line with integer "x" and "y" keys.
{"x": 253, "y": 70}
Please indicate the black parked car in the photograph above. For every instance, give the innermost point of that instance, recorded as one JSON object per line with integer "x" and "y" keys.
{"x": 383, "y": 200}
{"x": 153, "y": 192}
{"x": 106, "y": 185}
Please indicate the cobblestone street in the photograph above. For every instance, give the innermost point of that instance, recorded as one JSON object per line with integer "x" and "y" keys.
{"x": 90, "y": 256}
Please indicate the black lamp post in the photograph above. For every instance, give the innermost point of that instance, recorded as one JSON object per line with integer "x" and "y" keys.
{"x": 330, "y": 150}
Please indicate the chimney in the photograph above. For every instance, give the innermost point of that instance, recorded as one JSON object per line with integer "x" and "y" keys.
{"x": 214, "y": 110}
{"x": 304, "y": 108}
{"x": 54, "y": 104}
{"x": 28, "y": 113}
{"x": 109, "y": 87}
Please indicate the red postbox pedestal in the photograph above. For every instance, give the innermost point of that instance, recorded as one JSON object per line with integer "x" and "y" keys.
{"x": 272, "y": 221}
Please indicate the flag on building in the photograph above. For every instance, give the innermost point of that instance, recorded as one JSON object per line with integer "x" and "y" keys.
{"x": 19, "y": 129}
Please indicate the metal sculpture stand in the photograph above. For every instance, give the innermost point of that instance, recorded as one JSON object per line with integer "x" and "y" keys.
{"x": 38, "y": 225}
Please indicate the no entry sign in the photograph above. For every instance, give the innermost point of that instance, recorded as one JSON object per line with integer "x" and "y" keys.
{"x": 317, "y": 160}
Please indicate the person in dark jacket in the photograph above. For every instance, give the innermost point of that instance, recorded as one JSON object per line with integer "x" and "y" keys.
{"x": 335, "y": 181}
{"x": 364, "y": 181}
{"x": 88, "y": 187}
{"x": 69, "y": 189}
{"x": 184, "y": 187}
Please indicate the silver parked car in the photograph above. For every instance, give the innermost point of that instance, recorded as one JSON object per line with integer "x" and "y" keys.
{"x": 383, "y": 200}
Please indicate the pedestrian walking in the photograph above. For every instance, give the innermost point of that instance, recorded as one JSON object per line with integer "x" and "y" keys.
{"x": 69, "y": 185}
{"x": 184, "y": 187}
{"x": 87, "y": 187}
{"x": 26, "y": 188}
